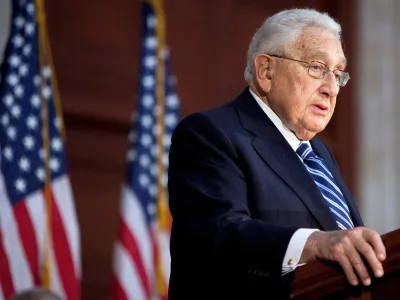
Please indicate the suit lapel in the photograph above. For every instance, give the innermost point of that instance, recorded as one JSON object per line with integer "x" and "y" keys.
{"x": 321, "y": 151}
{"x": 278, "y": 154}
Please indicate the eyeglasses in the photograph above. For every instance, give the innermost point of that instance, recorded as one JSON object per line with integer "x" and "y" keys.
{"x": 319, "y": 70}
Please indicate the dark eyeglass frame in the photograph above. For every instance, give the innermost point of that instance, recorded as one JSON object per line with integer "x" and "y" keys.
{"x": 341, "y": 81}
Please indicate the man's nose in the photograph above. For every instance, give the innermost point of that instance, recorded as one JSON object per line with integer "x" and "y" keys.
{"x": 331, "y": 85}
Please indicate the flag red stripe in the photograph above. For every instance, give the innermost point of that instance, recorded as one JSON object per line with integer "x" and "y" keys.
{"x": 128, "y": 240}
{"x": 28, "y": 239}
{"x": 63, "y": 255}
{"x": 5, "y": 274}
{"x": 118, "y": 291}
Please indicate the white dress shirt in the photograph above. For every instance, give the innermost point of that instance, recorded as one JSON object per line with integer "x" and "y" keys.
{"x": 299, "y": 238}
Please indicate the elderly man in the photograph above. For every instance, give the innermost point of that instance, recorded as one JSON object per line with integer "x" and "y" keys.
{"x": 253, "y": 193}
{"x": 36, "y": 294}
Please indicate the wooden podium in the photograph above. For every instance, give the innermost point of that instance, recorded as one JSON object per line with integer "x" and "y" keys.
{"x": 318, "y": 280}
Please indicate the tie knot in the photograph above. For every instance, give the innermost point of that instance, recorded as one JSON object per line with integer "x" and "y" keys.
{"x": 305, "y": 151}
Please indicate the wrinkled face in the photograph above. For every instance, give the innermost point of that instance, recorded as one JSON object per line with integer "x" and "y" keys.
{"x": 305, "y": 104}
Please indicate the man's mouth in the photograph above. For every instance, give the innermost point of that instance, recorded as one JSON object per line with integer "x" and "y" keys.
{"x": 320, "y": 108}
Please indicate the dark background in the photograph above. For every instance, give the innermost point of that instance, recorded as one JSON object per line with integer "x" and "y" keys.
{"x": 96, "y": 48}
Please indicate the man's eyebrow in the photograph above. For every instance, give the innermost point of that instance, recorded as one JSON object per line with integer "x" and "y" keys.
{"x": 324, "y": 55}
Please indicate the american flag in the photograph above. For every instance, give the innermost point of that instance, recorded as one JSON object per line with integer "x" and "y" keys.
{"x": 39, "y": 233}
{"x": 141, "y": 255}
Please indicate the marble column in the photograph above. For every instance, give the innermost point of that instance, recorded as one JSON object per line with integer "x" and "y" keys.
{"x": 378, "y": 108}
{"x": 4, "y": 23}
{"x": 5, "y": 14}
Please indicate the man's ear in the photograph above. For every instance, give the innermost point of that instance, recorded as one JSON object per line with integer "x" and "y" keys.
{"x": 264, "y": 66}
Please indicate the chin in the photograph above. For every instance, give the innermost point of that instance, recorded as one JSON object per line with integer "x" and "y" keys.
{"x": 309, "y": 132}
{"x": 317, "y": 126}
{"x": 306, "y": 136}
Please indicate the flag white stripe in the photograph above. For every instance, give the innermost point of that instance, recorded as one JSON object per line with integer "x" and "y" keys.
{"x": 19, "y": 267}
{"x": 64, "y": 200}
{"x": 36, "y": 208}
{"x": 35, "y": 204}
{"x": 132, "y": 214}
{"x": 56, "y": 282}
{"x": 1, "y": 293}
{"x": 126, "y": 274}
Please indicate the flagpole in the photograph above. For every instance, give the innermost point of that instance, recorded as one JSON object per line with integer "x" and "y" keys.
{"x": 162, "y": 209}
{"x": 40, "y": 15}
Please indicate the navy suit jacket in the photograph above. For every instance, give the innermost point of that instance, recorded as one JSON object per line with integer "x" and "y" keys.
{"x": 237, "y": 193}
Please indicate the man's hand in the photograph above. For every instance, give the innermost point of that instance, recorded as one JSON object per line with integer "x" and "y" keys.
{"x": 348, "y": 248}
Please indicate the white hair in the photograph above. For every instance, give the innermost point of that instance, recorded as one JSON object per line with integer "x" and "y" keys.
{"x": 281, "y": 30}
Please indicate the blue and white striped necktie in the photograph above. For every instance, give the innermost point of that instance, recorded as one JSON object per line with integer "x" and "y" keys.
{"x": 327, "y": 185}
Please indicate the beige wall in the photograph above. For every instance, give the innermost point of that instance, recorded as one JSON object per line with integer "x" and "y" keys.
{"x": 378, "y": 110}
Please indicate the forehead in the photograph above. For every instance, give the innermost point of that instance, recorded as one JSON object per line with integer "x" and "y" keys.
{"x": 319, "y": 44}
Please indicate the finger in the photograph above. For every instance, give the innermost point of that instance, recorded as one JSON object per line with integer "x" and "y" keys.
{"x": 348, "y": 270}
{"x": 359, "y": 266}
{"x": 370, "y": 256}
{"x": 373, "y": 238}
